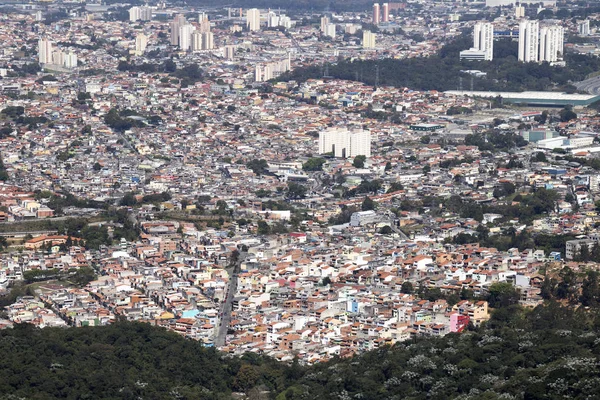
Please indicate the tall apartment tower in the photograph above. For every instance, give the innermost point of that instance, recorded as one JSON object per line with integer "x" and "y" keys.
{"x": 519, "y": 11}
{"x": 176, "y": 24}
{"x": 208, "y": 41}
{"x": 345, "y": 143}
{"x": 368, "y": 41}
{"x": 583, "y": 28}
{"x": 529, "y": 33}
{"x": 253, "y": 19}
{"x": 141, "y": 42}
{"x": 70, "y": 60}
{"x": 376, "y": 13}
{"x": 324, "y": 23}
{"x": 44, "y": 51}
{"x": 385, "y": 17}
{"x": 204, "y": 23}
{"x": 185, "y": 37}
{"x": 551, "y": 43}
{"x": 483, "y": 39}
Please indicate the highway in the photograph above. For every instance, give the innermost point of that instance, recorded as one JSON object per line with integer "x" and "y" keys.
{"x": 592, "y": 85}
{"x": 227, "y": 305}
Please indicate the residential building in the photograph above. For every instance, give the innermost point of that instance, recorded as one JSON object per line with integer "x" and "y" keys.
{"x": 141, "y": 42}
{"x": 253, "y": 19}
{"x": 551, "y": 43}
{"x": 175, "y": 26}
{"x": 376, "y": 13}
{"x": 483, "y": 39}
{"x": 368, "y": 41}
{"x": 185, "y": 36}
{"x": 385, "y": 12}
{"x": 44, "y": 51}
{"x": 343, "y": 142}
{"x": 529, "y": 41}
{"x": 330, "y": 30}
{"x": 583, "y": 28}
{"x": 70, "y": 60}
{"x": 519, "y": 11}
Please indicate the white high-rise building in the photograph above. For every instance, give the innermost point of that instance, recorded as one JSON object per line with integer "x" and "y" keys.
{"x": 551, "y": 43}
{"x": 58, "y": 58}
{"x": 70, "y": 60}
{"x": 483, "y": 39}
{"x": 204, "y": 23}
{"x": 44, "y": 51}
{"x": 185, "y": 36}
{"x": 368, "y": 41}
{"x": 176, "y": 24}
{"x": 385, "y": 9}
{"x": 583, "y": 28}
{"x": 208, "y": 41}
{"x": 376, "y": 13}
{"x": 229, "y": 51}
{"x": 196, "y": 41}
{"x": 529, "y": 32}
{"x": 330, "y": 30}
{"x": 141, "y": 42}
{"x": 253, "y": 19}
{"x": 345, "y": 143}
{"x": 140, "y": 14}
{"x": 324, "y": 22}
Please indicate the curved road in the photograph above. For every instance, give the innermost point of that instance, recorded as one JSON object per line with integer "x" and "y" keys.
{"x": 592, "y": 85}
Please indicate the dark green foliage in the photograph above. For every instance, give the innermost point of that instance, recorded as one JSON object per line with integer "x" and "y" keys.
{"x": 359, "y": 161}
{"x": 313, "y": 164}
{"x": 494, "y": 140}
{"x": 259, "y": 167}
{"x": 368, "y": 204}
{"x": 296, "y": 190}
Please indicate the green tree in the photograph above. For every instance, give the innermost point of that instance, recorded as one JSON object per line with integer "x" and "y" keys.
{"x": 368, "y": 204}
{"x": 359, "y": 161}
{"x": 502, "y": 294}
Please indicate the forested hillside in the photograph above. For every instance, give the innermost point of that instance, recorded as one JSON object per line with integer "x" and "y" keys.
{"x": 548, "y": 353}
{"x": 443, "y": 70}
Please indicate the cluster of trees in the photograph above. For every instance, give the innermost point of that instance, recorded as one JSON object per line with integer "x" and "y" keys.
{"x": 443, "y": 71}
{"x": 188, "y": 75}
{"x": 130, "y": 200}
{"x": 58, "y": 202}
{"x": 543, "y": 353}
{"x": 120, "y": 121}
{"x": 78, "y": 276}
{"x": 494, "y": 140}
{"x": 314, "y": 164}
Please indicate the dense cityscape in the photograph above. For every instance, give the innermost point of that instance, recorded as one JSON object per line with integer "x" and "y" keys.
{"x": 298, "y": 183}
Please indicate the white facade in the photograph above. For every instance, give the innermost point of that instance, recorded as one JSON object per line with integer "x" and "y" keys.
{"x": 185, "y": 36}
{"x": 368, "y": 41}
{"x": 324, "y": 22}
{"x": 45, "y": 51}
{"x": 330, "y": 30}
{"x": 253, "y": 19}
{"x": 583, "y": 28}
{"x": 140, "y": 14}
{"x": 519, "y": 11}
{"x": 376, "y": 13}
{"x": 529, "y": 32}
{"x": 345, "y": 143}
{"x": 70, "y": 60}
{"x": 551, "y": 43}
{"x": 229, "y": 51}
{"x": 141, "y": 42}
{"x": 362, "y": 218}
{"x": 208, "y": 41}
{"x": 176, "y": 24}
{"x": 483, "y": 39}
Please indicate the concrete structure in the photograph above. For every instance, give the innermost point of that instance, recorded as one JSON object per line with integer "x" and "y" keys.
{"x": 529, "y": 32}
{"x": 473, "y": 54}
{"x": 324, "y": 22}
{"x": 44, "y": 51}
{"x": 573, "y": 247}
{"x": 385, "y": 12}
{"x": 551, "y": 43}
{"x": 368, "y": 41}
{"x": 175, "y": 26}
{"x": 70, "y": 60}
{"x": 519, "y": 11}
{"x": 553, "y": 99}
{"x": 583, "y": 28}
{"x": 141, "y": 42}
{"x": 208, "y": 41}
{"x": 253, "y": 19}
{"x": 185, "y": 36}
{"x": 483, "y": 39}
{"x": 140, "y": 14}
{"x": 362, "y": 218}
{"x": 330, "y": 30}
{"x": 376, "y": 13}
{"x": 345, "y": 143}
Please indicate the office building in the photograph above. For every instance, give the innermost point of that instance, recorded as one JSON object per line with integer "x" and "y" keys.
{"x": 345, "y": 143}
{"x": 376, "y": 12}
{"x": 483, "y": 39}
{"x": 583, "y": 28}
{"x": 44, "y": 51}
{"x": 551, "y": 43}
{"x": 529, "y": 32}
{"x": 185, "y": 37}
{"x": 368, "y": 41}
{"x": 253, "y": 19}
{"x": 176, "y": 24}
{"x": 385, "y": 10}
{"x": 141, "y": 42}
